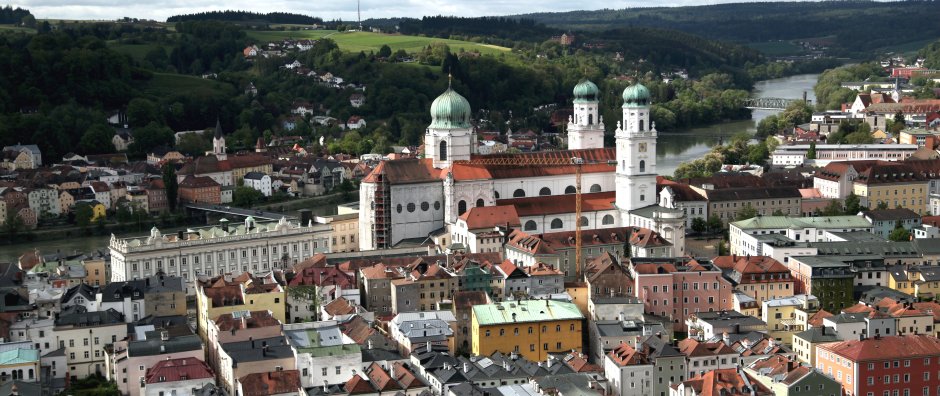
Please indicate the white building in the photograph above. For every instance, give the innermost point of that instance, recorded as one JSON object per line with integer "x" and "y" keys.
{"x": 585, "y": 126}
{"x": 795, "y": 155}
{"x": 251, "y": 246}
{"x": 630, "y": 372}
{"x": 325, "y": 356}
{"x": 258, "y": 181}
{"x": 412, "y": 328}
{"x": 746, "y": 235}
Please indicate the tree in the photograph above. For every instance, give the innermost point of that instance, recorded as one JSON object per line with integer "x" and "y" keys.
{"x": 170, "y": 185}
{"x": 29, "y": 21}
{"x": 699, "y": 225}
{"x": 385, "y": 51}
{"x": 83, "y": 216}
{"x": 747, "y": 212}
{"x": 796, "y": 113}
{"x": 150, "y": 137}
{"x": 899, "y": 119}
{"x": 882, "y": 205}
{"x": 852, "y": 204}
{"x": 899, "y": 233}
{"x": 246, "y": 197}
{"x": 141, "y": 112}
{"x": 811, "y": 153}
{"x": 834, "y": 208}
{"x": 771, "y": 143}
{"x": 97, "y": 140}
{"x": 13, "y": 225}
{"x": 194, "y": 144}
{"x": 714, "y": 223}
{"x": 778, "y": 212}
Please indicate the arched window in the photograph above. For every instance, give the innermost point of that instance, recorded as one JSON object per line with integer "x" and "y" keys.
{"x": 595, "y": 188}
{"x": 496, "y": 194}
{"x": 480, "y": 203}
{"x": 530, "y": 226}
{"x": 443, "y": 156}
{"x": 461, "y": 207}
{"x": 642, "y": 166}
{"x": 584, "y": 221}
{"x": 519, "y": 193}
{"x": 590, "y": 119}
{"x": 570, "y": 190}
{"x": 641, "y": 125}
{"x": 607, "y": 220}
{"x": 556, "y": 224}
{"x": 545, "y": 191}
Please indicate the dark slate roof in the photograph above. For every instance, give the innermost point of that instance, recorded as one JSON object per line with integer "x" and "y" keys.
{"x": 79, "y": 316}
{"x": 84, "y": 290}
{"x": 752, "y": 193}
{"x": 892, "y": 214}
{"x": 253, "y": 351}
{"x": 819, "y": 334}
{"x": 927, "y": 246}
{"x": 156, "y": 346}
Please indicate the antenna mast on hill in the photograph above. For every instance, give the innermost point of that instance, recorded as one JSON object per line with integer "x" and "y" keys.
{"x": 359, "y": 14}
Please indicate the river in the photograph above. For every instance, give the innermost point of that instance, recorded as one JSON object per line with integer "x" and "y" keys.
{"x": 675, "y": 147}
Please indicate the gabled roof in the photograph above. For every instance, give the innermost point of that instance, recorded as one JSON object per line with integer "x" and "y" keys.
{"x": 625, "y": 355}
{"x": 491, "y": 216}
{"x": 695, "y": 348}
{"x": 270, "y": 383}
{"x": 180, "y": 369}
{"x": 883, "y": 348}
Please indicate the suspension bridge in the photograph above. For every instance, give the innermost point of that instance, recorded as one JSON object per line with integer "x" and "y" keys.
{"x": 771, "y": 103}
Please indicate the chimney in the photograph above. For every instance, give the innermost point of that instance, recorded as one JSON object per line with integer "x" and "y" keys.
{"x": 548, "y": 361}
{"x": 369, "y": 344}
{"x": 466, "y": 367}
{"x": 726, "y": 338}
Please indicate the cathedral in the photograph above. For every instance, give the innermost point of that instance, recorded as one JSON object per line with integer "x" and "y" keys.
{"x": 408, "y": 200}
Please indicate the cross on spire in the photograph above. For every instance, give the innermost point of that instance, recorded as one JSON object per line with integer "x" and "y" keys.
{"x": 450, "y": 78}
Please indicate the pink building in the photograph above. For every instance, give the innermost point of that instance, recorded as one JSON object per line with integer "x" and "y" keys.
{"x": 676, "y": 288}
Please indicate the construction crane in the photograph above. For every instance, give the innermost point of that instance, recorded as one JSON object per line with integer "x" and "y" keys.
{"x": 577, "y": 162}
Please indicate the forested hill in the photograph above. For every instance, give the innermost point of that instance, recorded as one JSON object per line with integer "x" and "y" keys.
{"x": 245, "y": 16}
{"x": 10, "y": 15}
{"x": 852, "y": 26}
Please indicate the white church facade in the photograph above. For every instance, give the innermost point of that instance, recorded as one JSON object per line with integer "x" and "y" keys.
{"x": 404, "y": 201}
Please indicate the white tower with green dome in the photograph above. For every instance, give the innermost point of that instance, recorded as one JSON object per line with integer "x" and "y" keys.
{"x": 450, "y": 137}
{"x": 585, "y": 127}
{"x": 636, "y": 152}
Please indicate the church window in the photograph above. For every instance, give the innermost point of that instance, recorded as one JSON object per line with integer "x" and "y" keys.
{"x": 607, "y": 220}
{"x": 584, "y": 221}
{"x": 398, "y": 208}
{"x": 641, "y": 125}
{"x": 425, "y": 206}
{"x": 411, "y": 207}
{"x": 496, "y": 194}
{"x": 595, "y": 188}
{"x": 437, "y": 205}
{"x": 530, "y": 226}
{"x": 443, "y": 151}
{"x": 556, "y": 224}
{"x": 545, "y": 191}
{"x": 642, "y": 166}
{"x": 519, "y": 193}
{"x": 642, "y": 198}
{"x": 461, "y": 207}
{"x": 570, "y": 190}
{"x": 480, "y": 203}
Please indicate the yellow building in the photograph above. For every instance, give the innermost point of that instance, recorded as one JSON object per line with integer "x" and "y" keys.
{"x": 926, "y": 281}
{"x": 806, "y": 341}
{"x": 899, "y": 279}
{"x": 531, "y": 328}
{"x": 897, "y": 185}
{"x": 579, "y": 292}
{"x": 787, "y": 316}
{"x": 224, "y": 294}
{"x": 97, "y": 273}
{"x": 344, "y": 232}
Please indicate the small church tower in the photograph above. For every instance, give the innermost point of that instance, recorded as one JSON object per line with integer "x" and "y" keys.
{"x": 450, "y": 137}
{"x": 636, "y": 152}
{"x": 218, "y": 141}
{"x": 585, "y": 126}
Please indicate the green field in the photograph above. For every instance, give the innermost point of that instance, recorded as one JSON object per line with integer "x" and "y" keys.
{"x": 167, "y": 84}
{"x": 366, "y": 41}
{"x": 12, "y": 28}
{"x": 777, "y": 48}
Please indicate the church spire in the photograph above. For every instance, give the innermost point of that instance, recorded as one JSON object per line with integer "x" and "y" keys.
{"x": 218, "y": 128}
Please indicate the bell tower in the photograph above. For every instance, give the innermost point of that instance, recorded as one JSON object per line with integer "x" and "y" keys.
{"x": 585, "y": 126}
{"x": 636, "y": 152}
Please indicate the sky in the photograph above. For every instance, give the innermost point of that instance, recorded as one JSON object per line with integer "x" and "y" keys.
{"x": 328, "y": 10}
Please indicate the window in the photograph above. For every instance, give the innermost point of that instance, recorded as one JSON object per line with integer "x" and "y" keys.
{"x": 411, "y": 207}
{"x": 584, "y": 221}
{"x": 556, "y": 224}
{"x": 443, "y": 156}
{"x": 545, "y": 191}
{"x": 425, "y": 206}
{"x": 519, "y": 193}
{"x": 530, "y": 226}
{"x": 642, "y": 166}
{"x": 461, "y": 207}
{"x": 607, "y": 220}
{"x": 595, "y": 188}
{"x": 570, "y": 190}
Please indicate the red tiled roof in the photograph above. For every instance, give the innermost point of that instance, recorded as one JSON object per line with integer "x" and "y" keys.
{"x": 817, "y": 319}
{"x": 625, "y": 355}
{"x": 542, "y": 269}
{"x": 491, "y": 216}
{"x": 358, "y": 329}
{"x": 405, "y": 377}
{"x": 883, "y": 348}
{"x": 340, "y": 306}
{"x": 653, "y": 268}
{"x": 692, "y": 348}
{"x": 180, "y": 369}
{"x": 270, "y": 383}
{"x": 404, "y": 171}
{"x": 323, "y": 276}
{"x": 198, "y": 182}
{"x": 647, "y": 238}
{"x": 358, "y": 385}
{"x": 726, "y": 381}
{"x": 224, "y": 295}
{"x": 254, "y": 319}
{"x": 382, "y": 380}
{"x": 559, "y": 204}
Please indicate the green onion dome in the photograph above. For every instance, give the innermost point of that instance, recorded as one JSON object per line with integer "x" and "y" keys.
{"x": 586, "y": 91}
{"x": 450, "y": 110}
{"x": 636, "y": 95}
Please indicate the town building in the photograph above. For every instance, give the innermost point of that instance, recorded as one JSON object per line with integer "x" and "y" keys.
{"x": 744, "y": 234}
{"x": 227, "y": 295}
{"x": 893, "y": 364}
{"x": 252, "y": 246}
{"x": 325, "y": 356}
{"x": 675, "y": 289}
{"x": 85, "y": 334}
{"x": 176, "y": 376}
{"x": 530, "y": 328}
{"x": 788, "y": 377}
{"x": 795, "y": 155}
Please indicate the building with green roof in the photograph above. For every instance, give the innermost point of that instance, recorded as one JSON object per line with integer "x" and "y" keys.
{"x": 20, "y": 363}
{"x": 322, "y": 349}
{"x": 531, "y": 328}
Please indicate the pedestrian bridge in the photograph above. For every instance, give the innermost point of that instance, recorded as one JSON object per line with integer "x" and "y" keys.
{"x": 222, "y": 210}
{"x": 770, "y": 103}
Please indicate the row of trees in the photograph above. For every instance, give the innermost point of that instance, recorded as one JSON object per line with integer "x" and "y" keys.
{"x": 247, "y": 16}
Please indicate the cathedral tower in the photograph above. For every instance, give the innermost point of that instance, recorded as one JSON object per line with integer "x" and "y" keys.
{"x": 218, "y": 141}
{"x": 450, "y": 137}
{"x": 585, "y": 127}
{"x": 636, "y": 152}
